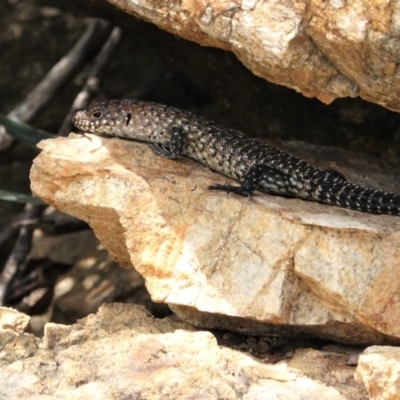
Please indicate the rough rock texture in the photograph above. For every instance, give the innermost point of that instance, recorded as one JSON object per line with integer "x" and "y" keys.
{"x": 379, "y": 369}
{"x": 124, "y": 353}
{"x": 14, "y": 320}
{"x": 323, "y": 49}
{"x": 302, "y": 266}
{"x": 332, "y": 366}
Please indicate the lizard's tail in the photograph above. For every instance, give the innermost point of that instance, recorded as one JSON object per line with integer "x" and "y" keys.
{"x": 345, "y": 194}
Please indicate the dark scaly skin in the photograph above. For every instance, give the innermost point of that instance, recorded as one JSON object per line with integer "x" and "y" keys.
{"x": 255, "y": 165}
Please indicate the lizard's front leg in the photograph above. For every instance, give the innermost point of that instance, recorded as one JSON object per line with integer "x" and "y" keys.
{"x": 174, "y": 148}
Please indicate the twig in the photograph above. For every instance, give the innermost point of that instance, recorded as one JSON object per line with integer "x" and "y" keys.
{"x": 33, "y": 287}
{"x": 6, "y": 140}
{"x": 20, "y": 250}
{"x": 37, "y": 99}
{"x": 67, "y": 224}
{"x": 93, "y": 81}
{"x": 68, "y": 66}
{"x": 12, "y": 230}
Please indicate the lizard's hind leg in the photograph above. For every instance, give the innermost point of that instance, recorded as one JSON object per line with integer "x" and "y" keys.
{"x": 273, "y": 181}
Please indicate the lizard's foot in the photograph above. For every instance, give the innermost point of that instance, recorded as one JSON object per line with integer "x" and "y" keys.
{"x": 163, "y": 151}
{"x": 230, "y": 188}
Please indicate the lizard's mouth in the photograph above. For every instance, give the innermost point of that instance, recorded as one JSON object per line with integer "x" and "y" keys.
{"x": 81, "y": 121}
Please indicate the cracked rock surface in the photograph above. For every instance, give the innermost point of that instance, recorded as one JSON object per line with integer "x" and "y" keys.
{"x": 323, "y": 49}
{"x": 264, "y": 265}
{"x": 124, "y": 353}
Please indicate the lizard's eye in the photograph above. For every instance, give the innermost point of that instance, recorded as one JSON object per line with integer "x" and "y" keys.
{"x": 97, "y": 114}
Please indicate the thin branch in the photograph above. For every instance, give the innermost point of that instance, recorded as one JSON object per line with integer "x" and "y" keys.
{"x": 61, "y": 72}
{"x": 34, "y": 102}
{"x": 6, "y": 140}
{"x": 67, "y": 67}
{"x": 93, "y": 81}
{"x": 67, "y": 224}
{"x": 13, "y": 229}
{"x": 20, "y": 250}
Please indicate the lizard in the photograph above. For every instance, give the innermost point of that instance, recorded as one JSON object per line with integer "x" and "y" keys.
{"x": 173, "y": 133}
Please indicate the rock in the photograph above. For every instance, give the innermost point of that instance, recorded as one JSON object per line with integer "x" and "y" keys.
{"x": 123, "y": 352}
{"x": 14, "y": 320}
{"x": 15, "y": 343}
{"x": 326, "y": 50}
{"x": 93, "y": 279}
{"x": 379, "y": 370}
{"x": 265, "y": 265}
{"x": 330, "y": 366}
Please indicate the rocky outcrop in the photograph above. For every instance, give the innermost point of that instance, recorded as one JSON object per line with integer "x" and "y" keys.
{"x": 322, "y": 49}
{"x": 379, "y": 370}
{"x": 123, "y": 352}
{"x": 265, "y": 265}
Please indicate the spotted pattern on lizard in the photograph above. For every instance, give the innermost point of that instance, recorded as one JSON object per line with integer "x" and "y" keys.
{"x": 256, "y": 165}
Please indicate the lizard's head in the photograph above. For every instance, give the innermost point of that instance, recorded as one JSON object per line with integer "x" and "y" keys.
{"x": 104, "y": 117}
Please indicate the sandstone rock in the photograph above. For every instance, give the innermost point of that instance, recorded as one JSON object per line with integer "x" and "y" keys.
{"x": 323, "y": 49}
{"x": 15, "y": 343}
{"x": 265, "y": 265}
{"x": 123, "y": 352}
{"x": 379, "y": 370}
{"x": 330, "y": 366}
{"x": 14, "y": 320}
